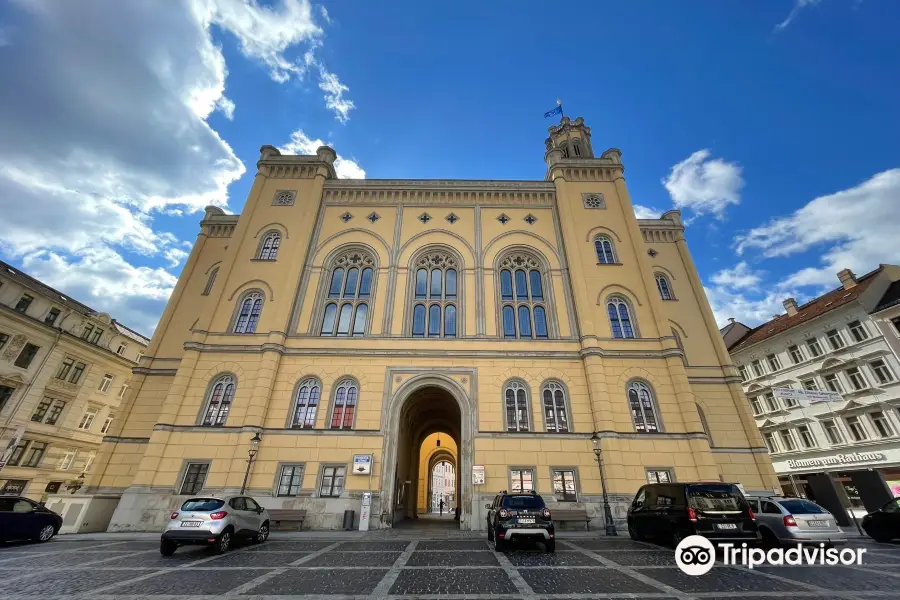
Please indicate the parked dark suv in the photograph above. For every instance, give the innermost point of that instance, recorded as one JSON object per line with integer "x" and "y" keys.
{"x": 669, "y": 512}
{"x": 518, "y": 516}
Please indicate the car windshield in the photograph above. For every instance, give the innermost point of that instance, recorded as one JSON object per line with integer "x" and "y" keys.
{"x": 523, "y": 502}
{"x": 716, "y": 498}
{"x": 802, "y": 507}
{"x": 203, "y": 504}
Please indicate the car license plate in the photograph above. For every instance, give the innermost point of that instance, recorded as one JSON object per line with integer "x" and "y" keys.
{"x": 527, "y": 520}
{"x": 817, "y": 523}
{"x": 191, "y": 523}
{"x": 726, "y": 525}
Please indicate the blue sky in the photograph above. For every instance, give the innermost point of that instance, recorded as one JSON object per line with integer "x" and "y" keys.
{"x": 772, "y": 125}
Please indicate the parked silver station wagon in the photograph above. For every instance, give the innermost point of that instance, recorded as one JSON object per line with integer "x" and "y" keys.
{"x": 215, "y": 522}
{"x": 795, "y": 520}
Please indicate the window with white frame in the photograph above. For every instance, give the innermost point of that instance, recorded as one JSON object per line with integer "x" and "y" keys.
{"x": 771, "y": 401}
{"x": 743, "y": 371}
{"x": 643, "y": 408}
{"x": 521, "y": 480}
{"x": 856, "y": 378}
{"x": 523, "y": 303}
{"x": 268, "y": 249}
{"x": 349, "y": 295}
{"x": 290, "y": 480}
{"x": 789, "y": 402}
{"x": 87, "y": 419}
{"x": 194, "y": 478}
{"x": 834, "y": 339}
{"x": 122, "y": 390}
{"x": 664, "y": 287}
{"x": 659, "y": 476}
{"x": 556, "y": 416}
{"x": 774, "y": 363}
{"x": 796, "y": 354}
{"x": 814, "y": 348}
{"x": 832, "y": 431}
{"x": 833, "y": 383}
{"x": 881, "y": 423}
{"x": 806, "y": 436}
{"x": 756, "y": 405}
{"x": 516, "y": 399}
{"x": 218, "y": 401}
{"x": 857, "y": 331}
{"x": 107, "y": 422}
{"x": 139, "y": 356}
{"x": 68, "y": 458}
{"x": 308, "y": 395}
{"x": 249, "y": 310}
{"x": 89, "y": 462}
{"x": 882, "y": 372}
{"x": 810, "y": 385}
{"x": 896, "y": 323}
{"x": 435, "y": 309}
{"x": 105, "y": 383}
{"x": 787, "y": 440}
{"x": 757, "y": 368}
{"x": 122, "y": 348}
{"x": 771, "y": 443}
{"x": 603, "y": 246}
{"x": 345, "y": 397}
{"x": 620, "y": 317}
{"x": 857, "y": 430}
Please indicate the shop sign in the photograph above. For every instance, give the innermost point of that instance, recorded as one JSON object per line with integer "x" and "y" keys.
{"x": 806, "y": 397}
{"x": 477, "y": 474}
{"x": 837, "y": 460}
{"x": 13, "y": 487}
{"x": 362, "y": 464}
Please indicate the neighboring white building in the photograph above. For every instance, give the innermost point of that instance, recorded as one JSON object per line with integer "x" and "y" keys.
{"x": 443, "y": 486}
{"x": 843, "y": 454}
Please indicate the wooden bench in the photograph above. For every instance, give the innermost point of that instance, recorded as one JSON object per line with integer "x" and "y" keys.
{"x": 286, "y": 515}
{"x": 572, "y": 514}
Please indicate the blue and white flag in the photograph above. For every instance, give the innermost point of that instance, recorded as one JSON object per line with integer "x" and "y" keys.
{"x": 555, "y": 111}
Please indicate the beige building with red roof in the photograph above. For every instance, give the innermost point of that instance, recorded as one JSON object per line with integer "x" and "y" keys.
{"x": 841, "y": 447}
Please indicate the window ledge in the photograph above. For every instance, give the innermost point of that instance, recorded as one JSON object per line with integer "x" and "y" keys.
{"x": 612, "y": 264}
{"x": 265, "y": 260}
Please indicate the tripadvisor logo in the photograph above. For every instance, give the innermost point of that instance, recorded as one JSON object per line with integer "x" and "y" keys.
{"x": 696, "y": 555}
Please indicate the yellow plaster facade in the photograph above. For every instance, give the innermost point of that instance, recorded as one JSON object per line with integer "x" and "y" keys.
{"x": 240, "y": 347}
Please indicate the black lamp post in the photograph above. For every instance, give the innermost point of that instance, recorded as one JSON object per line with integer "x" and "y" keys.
{"x": 251, "y": 453}
{"x": 607, "y": 513}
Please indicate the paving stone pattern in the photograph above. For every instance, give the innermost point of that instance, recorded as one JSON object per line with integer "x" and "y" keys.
{"x": 462, "y": 566}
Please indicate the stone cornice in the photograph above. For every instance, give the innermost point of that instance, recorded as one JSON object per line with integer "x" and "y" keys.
{"x": 441, "y": 184}
{"x": 534, "y": 194}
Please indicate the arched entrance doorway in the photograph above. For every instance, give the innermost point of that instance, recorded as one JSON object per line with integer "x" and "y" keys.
{"x": 427, "y": 405}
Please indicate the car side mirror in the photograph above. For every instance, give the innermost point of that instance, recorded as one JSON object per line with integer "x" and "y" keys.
{"x": 487, "y": 506}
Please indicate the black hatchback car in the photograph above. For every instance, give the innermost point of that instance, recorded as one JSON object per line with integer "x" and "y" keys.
{"x": 24, "y": 519}
{"x": 669, "y": 512}
{"x": 519, "y": 516}
{"x": 883, "y": 525}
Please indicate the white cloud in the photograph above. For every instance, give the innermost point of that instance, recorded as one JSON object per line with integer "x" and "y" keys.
{"x": 854, "y": 228}
{"x": 704, "y": 185}
{"x": 226, "y": 105}
{"x": 798, "y": 6}
{"x": 302, "y": 144}
{"x": 741, "y": 276}
{"x": 334, "y": 95}
{"x": 325, "y": 16}
{"x": 647, "y": 212}
{"x": 748, "y": 308}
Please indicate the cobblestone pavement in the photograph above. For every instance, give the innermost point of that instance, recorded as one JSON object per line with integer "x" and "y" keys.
{"x": 338, "y": 568}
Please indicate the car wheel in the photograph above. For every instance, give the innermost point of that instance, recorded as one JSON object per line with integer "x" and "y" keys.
{"x": 550, "y": 546}
{"x": 263, "y": 533}
{"x": 499, "y": 544}
{"x": 222, "y": 543}
{"x": 46, "y": 532}
{"x": 167, "y": 547}
{"x": 633, "y": 532}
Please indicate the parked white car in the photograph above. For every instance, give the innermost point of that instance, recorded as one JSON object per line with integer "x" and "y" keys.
{"x": 215, "y": 522}
{"x": 795, "y": 520}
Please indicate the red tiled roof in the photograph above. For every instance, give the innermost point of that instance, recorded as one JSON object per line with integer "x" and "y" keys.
{"x": 812, "y": 309}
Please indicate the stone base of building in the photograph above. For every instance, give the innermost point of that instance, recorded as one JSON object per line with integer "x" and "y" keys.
{"x": 83, "y": 513}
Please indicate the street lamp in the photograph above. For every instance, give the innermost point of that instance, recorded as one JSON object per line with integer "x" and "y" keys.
{"x": 607, "y": 513}
{"x": 251, "y": 453}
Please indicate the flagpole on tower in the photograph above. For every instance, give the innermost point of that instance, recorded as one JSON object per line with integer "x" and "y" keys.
{"x": 562, "y": 115}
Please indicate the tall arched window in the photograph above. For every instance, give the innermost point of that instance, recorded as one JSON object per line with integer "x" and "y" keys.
{"x": 343, "y": 409}
{"x": 268, "y": 249}
{"x": 664, "y": 287}
{"x": 576, "y": 149}
{"x": 435, "y": 295}
{"x": 248, "y": 313}
{"x": 556, "y": 415}
{"x": 218, "y": 402}
{"x": 306, "y": 405}
{"x": 604, "y": 247}
{"x": 643, "y": 408}
{"x": 350, "y": 283}
{"x": 523, "y": 301}
{"x": 705, "y": 426}
{"x": 210, "y": 281}
{"x": 619, "y": 318}
{"x": 515, "y": 396}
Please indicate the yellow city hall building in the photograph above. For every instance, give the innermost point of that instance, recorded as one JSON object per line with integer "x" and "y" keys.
{"x": 351, "y": 325}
